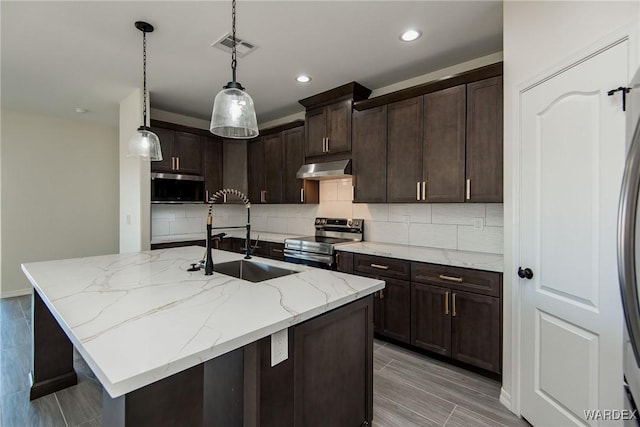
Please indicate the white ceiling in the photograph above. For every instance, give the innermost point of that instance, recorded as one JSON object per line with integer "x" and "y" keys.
{"x": 57, "y": 56}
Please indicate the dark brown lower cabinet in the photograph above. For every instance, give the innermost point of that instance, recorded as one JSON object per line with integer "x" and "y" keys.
{"x": 461, "y": 325}
{"x": 431, "y": 321}
{"x": 475, "y": 330}
{"x": 395, "y": 310}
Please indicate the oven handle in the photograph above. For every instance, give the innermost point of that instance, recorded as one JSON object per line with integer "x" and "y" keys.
{"x": 318, "y": 258}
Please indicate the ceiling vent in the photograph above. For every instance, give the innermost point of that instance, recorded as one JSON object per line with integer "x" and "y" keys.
{"x": 243, "y": 48}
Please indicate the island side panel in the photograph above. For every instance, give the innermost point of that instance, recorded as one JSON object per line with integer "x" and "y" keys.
{"x": 333, "y": 367}
{"x": 52, "y": 353}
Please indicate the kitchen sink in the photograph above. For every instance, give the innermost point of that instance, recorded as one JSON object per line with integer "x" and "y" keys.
{"x": 251, "y": 271}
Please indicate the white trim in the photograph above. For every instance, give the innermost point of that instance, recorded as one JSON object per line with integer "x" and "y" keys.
{"x": 630, "y": 32}
{"x": 505, "y": 398}
{"x": 16, "y": 293}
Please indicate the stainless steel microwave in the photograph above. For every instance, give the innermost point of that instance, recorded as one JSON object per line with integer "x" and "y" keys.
{"x": 176, "y": 188}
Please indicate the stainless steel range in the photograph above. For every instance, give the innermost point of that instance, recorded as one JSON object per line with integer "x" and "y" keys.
{"x": 320, "y": 250}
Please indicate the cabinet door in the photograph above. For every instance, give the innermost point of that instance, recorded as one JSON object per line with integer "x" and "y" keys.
{"x": 166, "y": 138}
{"x": 484, "y": 141}
{"x": 339, "y": 127}
{"x": 333, "y": 372}
{"x": 293, "y": 148}
{"x": 256, "y": 170}
{"x": 344, "y": 262}
{"x": 430, "y": 318}
{"x": 395, "y": 300}
{"x": 370, "y": 155}
{"x": 475, "y": 330}
{"x": 188, "y": 151}
{"x": 444, "y": 145}
{"x": 404, "y": 150}
{"x": 273, "y": 163}
{"x": 315, "y": 131}
{"x": 212, "y": 165}
{"x": 234, "y": 167}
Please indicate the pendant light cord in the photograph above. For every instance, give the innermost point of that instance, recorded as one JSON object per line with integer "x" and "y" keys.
{"x": 144, "y": 78}
{"x": 233, "y": 31}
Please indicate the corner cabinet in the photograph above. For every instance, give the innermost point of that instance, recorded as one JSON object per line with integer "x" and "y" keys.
{"x": 328, "y": 121}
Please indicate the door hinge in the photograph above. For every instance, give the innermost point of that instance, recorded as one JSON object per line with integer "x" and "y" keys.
{"x": 625, "y": 91}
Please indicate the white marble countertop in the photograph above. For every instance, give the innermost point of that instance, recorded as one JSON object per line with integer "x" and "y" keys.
{"x": 140, "y": 317}
{"x": 475, "y": 260}
{"x": 262, "y": 236}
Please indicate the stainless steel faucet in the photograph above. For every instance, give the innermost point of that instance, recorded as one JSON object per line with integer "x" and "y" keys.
{"x": 208, "y": 265}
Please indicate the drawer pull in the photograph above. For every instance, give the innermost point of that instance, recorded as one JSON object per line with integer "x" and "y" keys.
{"x": 454, "y": 305}
{"x": 277, "y": 250}
{"x": 380, "y": 267}
{"x": 451, "y": 278}
{"x": 446, "y": 302}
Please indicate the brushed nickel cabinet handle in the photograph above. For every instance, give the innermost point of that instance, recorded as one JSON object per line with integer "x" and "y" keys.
{"x": 263, "y": 196}
{"x": 206, "y": 199}
{"x": 468, "y": 189}
{"x": 380, "y": 267}
{"x": 446, "y": 302}
{"x": 178, "y": 161}
{"x": 224, "y": 198}
{"x": 302, "y": 195}
{"x": 424, "y": 190}
{"x": 276, "y": 250}
{"x": 417, "y": 190}
{"x": 451, "y": 278}
{"x": 173, "y": 163}
{"x": 328, "y": 148}
{"x": 454, "y": 314}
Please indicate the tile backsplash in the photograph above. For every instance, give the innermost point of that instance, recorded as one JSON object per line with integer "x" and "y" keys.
{"x": 474, "y": 227}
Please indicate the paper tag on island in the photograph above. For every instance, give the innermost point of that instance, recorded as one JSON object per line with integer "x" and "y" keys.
{"x": 279, "y": 347}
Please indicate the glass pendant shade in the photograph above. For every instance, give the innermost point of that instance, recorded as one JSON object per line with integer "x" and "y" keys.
{"x": 234, "y": 115}
{"x": 146, "y": 144}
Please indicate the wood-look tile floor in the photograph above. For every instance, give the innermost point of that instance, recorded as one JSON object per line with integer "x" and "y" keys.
{"x": 409, "y": 389}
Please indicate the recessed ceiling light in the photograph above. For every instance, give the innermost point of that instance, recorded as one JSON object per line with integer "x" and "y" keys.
{"x": 303, "y": 79}
{"x": 81, "y": 110}
{"x": 410, "y": 35}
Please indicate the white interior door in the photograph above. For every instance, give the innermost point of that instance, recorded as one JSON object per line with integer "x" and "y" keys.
{"x": 571, "y": 163}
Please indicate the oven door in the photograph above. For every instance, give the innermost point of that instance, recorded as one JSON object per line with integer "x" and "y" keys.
{"x": 326, "y": 262}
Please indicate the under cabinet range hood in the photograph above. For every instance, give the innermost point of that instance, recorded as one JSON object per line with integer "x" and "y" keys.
{"x": 326, "y": 170}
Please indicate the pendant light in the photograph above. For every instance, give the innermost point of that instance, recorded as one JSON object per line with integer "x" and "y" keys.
{"x": 145, "y": 143}
{"x": 233, "y": 113}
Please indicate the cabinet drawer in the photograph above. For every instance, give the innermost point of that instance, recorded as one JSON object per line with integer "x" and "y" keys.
{"x": 479, "y": 282}
{"x": 381, "y": 266}
{"x": 276, "y": 251}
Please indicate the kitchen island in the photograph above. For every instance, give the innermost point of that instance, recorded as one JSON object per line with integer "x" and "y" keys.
{"x": 174, "y": 347}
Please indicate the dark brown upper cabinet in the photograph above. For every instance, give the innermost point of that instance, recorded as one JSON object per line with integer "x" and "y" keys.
{"x": 234, "y": 168}
{"x": 182, "y": 149}
{"x": 484, "y": 141}
{"x": 256, "y": 170}
{"x": 369, "y": 155}
{"x": 444, "y": 145}
{"x": 328, "y": 121}
{"x": 272, "y": 163}
{"x": 296, "y": 190}
{"x": 404, "y": 150}
{"x": 212, "y": 165}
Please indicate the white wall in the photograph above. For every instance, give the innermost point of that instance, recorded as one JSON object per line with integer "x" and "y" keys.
{"x": 538, "y": 35}
{"x": 59, "y": 192}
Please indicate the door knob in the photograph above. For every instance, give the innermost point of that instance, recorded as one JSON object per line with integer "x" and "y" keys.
{"x": 527, "y": 273}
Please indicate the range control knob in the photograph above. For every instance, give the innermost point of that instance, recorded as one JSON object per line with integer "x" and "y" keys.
{"x": 349, "y": 223}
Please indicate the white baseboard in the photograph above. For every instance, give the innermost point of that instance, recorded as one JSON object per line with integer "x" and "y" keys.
{"x": 16, "y": 293}
{"x": 505, "y": 399}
